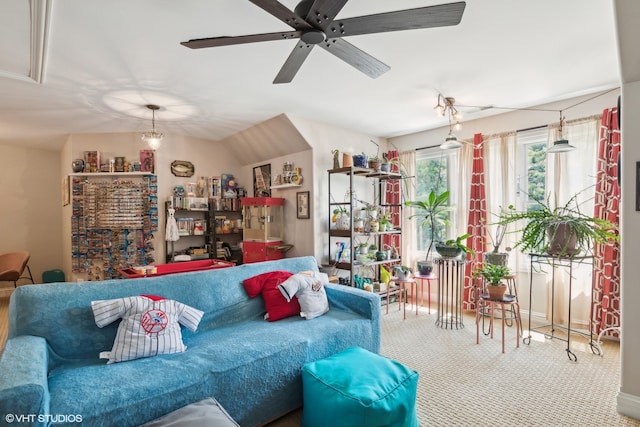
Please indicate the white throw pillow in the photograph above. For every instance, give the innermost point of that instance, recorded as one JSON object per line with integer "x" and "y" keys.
{"x": 149, "y": 326}
{"x": 308, "y": 287}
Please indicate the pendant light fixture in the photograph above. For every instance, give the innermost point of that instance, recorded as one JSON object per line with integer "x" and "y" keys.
{"x": 153, "y": 138}
{"x": 447, "y": 108}
{"x": 561, "y": 145}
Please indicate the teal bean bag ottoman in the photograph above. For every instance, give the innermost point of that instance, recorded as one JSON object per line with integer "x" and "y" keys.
{"x": 358, "y": 388}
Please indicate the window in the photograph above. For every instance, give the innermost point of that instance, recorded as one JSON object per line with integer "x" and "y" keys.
{"x": 434, "y": 169}
{"x": 532, "y": 146}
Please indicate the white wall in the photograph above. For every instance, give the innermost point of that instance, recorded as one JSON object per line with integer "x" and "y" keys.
{"x": 324, "y": 138}
{"x": 31, "y": 194}
{"x": 629, "y": 396}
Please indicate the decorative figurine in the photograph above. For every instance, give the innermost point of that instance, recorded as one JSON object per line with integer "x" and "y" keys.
{"x": 336, "y": 162}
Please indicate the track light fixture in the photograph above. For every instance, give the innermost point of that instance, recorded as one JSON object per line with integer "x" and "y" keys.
{"x": 153, "y": 138}
{"x": 561, "y": 145}
{"x": 447, "y": 108}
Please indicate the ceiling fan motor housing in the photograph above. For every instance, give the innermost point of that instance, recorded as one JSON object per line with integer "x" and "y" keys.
{"x": 313, "y": 37}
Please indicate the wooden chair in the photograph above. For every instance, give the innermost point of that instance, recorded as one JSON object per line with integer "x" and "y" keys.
{"x": 12, "y": 266}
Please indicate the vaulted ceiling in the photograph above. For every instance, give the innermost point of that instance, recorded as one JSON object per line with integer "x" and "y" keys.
{"x": 86, "y": 66}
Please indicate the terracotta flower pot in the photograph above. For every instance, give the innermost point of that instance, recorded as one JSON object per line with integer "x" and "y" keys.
{"x": 496, "y": 293}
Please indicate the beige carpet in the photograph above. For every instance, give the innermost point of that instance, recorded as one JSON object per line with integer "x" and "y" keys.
{"x": 464, "y": 384}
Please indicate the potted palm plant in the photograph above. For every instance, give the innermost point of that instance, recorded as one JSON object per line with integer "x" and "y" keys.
{"x": 562, "y": 231}
{"x": 494, "y": 274}
{"x": 433, "y": 211}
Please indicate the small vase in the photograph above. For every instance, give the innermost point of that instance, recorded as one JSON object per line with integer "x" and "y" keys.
{"x": 360, "y": 160}
{"x": 374, "y": 226}
{"x": 342, "y": 222}
{"x": 425, "y": 267}
{"x": 347, "y": 160}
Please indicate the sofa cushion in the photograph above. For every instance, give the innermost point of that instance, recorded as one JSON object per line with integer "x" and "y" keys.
{"x": 207, "y": 412}
{"x": 308, "y": 287}
{"x": 275, "y": 303}
{"x": 150, "y": 325}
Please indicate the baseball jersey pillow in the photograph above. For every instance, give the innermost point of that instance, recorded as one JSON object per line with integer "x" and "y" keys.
{"x": 150, "y": 325}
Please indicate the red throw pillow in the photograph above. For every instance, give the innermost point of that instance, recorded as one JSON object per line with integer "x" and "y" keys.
{"x": 276, "y": 305}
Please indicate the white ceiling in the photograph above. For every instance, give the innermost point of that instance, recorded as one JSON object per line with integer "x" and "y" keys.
{"x": 104, "y": 60}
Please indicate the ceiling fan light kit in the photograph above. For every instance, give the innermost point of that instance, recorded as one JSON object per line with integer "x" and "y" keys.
{"x": 153, "y": 138}
{"x": 314, "y": 23}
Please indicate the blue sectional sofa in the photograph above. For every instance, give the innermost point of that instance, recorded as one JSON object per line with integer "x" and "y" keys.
{"x": 50, "y": 369}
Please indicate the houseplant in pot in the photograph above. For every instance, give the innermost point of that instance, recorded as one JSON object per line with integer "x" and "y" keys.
{"x": 402, "y": 272}
{"x": 433, "y": 211}
{"x": 452, "y": 248}
{"x": 562, "y": 231}
{"x": 493, "y": 275}
{"x": 495, "y": 256}
{"x": 374, "y": 163}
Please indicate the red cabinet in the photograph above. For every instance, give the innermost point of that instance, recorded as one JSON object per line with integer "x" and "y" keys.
{"x": 261, "y": 251}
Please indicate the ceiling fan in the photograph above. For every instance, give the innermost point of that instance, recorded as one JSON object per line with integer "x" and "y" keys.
{"x": 314, "y": 23}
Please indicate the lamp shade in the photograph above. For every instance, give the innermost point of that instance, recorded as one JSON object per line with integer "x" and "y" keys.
{"x": 560, "y": 146}
{"x": 451, "y": 143}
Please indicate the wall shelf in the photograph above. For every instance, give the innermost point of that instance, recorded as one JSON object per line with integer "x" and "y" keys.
{"x": 98, "y": 174}
{"x": 282, "y": 186}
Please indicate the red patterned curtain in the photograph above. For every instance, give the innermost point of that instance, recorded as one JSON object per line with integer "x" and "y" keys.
{"x": 477, "y": 219}
{"x": 392, "y": 196}
{"x": 606, "y": 287}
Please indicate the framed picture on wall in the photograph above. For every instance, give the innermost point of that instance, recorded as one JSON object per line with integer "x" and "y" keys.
{"x": 66, "y": 189}
{"x": 262, "y": 181}
{"x": 302, "y": 205}
{"x": 637, "y": 186}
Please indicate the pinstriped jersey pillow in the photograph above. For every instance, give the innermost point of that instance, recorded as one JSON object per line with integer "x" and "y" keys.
{"x": 150, "y": 325}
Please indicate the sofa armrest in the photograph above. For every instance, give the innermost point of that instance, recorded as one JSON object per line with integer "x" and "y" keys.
{"x": 364, "y": 303}
{"x": 24, "y": 389}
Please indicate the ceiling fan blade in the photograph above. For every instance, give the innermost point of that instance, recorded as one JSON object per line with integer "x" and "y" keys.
{"x": 293, "y": 63}
{"x": 355, "y": 57}
{"x": 283, "y": 13}
{"x": 423, "y": 17}
{"x": 323, "y": 12}
{"x": 229, "y": 40}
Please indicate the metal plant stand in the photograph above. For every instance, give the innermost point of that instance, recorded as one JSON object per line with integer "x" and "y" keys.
{"x": 450, "y": 290}
{"x": 549, "y": 330}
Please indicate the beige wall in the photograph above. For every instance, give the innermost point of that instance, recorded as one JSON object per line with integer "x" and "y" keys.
{"x": 209, "y": 158}
{"x": 31, "y": 194}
